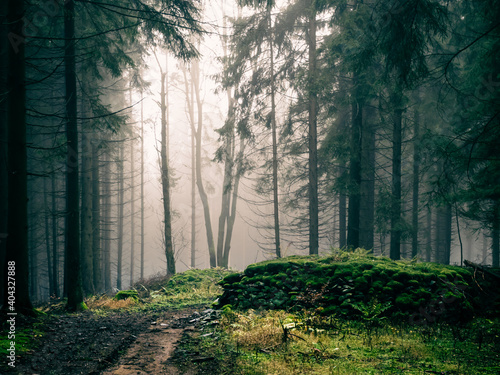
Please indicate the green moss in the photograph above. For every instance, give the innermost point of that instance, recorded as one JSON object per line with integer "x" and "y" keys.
{"x": 232, "y": 278}
{"x": 124, "y": 294}
{"x": 343, "y": 280}
{"x": 395, "y": 285}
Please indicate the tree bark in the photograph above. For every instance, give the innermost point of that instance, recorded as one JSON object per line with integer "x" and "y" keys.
{"x": 395, "y": 246}
{"x": 55, "y": 236}
{"x": 448, "y": 216}
{"x": 121, "y": 193}
{"x": 277, "y": 240}
{"x": 313, "y": 137}
{"x": 495, "y": 235}
{"x": 232, "y": 216}
{"x": 48, "y": 247}
{"x": 106, "y": 241}
{"x": 96, "y": 220}
{"x": 17, "y": 216}
{"x": 132, "y": 202}
{"x": 193, "y": 195}
{"x": 342, "y": 221}
{"x": 142, "y": 187}
{"x": 4, "y": 198}
{"x": 165, "y": 178}
{"x": 355, "y": 167}
{"x": 485, "y": 249}
{"x": 195, "y": 74}
{"x": 367, "y": 184}
{"x": 72, "y": 264}
{"x": 428, "y": 234}
{"x": 226, "y": 185}
{"x": 32, "y": 247}
{"x": 86, "y": 210}
{"x": 416, "y": 178}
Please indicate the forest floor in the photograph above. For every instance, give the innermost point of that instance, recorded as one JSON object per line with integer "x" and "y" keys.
{"x": 140, "y": 335}
{"x": 121, "y": 343}
{"x": 117, "y": 343}
{"x": 166, "y": 326}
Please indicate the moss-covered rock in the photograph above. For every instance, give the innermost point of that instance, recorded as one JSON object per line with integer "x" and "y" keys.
{"x": 124, "y": 294}
{"x": 340, "y": 283}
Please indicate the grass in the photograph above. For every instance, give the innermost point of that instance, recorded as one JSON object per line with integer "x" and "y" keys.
{"x": 24, "y": 337}
{"x": 277, "y": 342}
{"x": 307, "y": 341}
{"x": 187, "y": 289}
{"x": 191, "y": 288}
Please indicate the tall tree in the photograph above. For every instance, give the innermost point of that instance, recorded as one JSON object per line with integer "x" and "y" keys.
{"x": 197, "y": 130}
{"x": 4, "y": 62}
{"x": 142, "y": 186}
{"x": 16, "y": 260}
{"x": 96, "y": 218}
{"x": 415, "y": 179}
{"x": 86, "y": 201}
{"x": 313, "y": 133}
{"x": 72, "y": 263}
{"x": 165, "y": 171}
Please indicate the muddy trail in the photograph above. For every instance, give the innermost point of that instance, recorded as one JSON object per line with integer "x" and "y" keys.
{"x": 120, "y": 343}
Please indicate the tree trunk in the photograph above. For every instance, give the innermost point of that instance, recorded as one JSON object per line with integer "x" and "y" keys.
{"x": 142, "y": 187}
{"x": 342, "y": 221}
{"x": 367, "y": 184}
{"x": 277, "y": 240}
{"x": 428, "y": 247}
{"x": 485, "y": 249}
{"x": 193, "y": 197}
{"x": 55, "y": 236}
{"x": 355, "y": 167}
{"x": 226, "y": 186}
{"x": 232, "y": 216}
{"x": 447, "y": 233}
{"x": 313, "y": 137}
{"x": 121, "y": 193}
{"x": 132, "y": 202}
{"x": 165, "y": 178}
{"x": 395, "y": 246}
{"x": 106, "y": 241}
{"x": 199, "y": 181}
{"x": 72, "y": 264}
{"x": 48, "y": 246}
{"x": 416, "y": 178}
{"x": 96, "y": 220}
{"x": 17, "y": 259}
{"x": 4, "y": 61}
{"x": 86, "y": 210}
{"x": 495, "y": 235}
{"x": 438, "y": 236}
{"x": 32, "y": 247}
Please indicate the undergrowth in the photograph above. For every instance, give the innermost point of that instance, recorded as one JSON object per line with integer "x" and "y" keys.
{"x": 278, "y": 342}
{"x": 187, "y": 289}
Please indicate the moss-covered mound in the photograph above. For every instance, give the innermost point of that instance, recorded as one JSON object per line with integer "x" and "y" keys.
{"x": 124, "y": 294}
{"x": 354, "y": 284}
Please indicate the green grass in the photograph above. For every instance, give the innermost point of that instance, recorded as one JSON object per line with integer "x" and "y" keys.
{"x": 24, "y": 338}
{"x": 308, "y": 341}
{"x": 187, "y": 289}
{"x": 263, "y": 347}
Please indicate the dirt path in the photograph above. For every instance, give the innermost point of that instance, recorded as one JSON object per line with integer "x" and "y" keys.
{"x": 150, "y": 352}
{"x": 118, "y": 343}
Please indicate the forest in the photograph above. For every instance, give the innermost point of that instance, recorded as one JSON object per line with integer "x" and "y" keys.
{"x": 370, "y": 124}
{"x": 143, "y": 138}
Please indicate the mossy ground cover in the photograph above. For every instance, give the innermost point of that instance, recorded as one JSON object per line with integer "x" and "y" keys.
{"x": 279, "y": 342}
{"x": 187, "y": 289}
{"x": 313, "y": 335}
{"x": 359, "y": 285}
